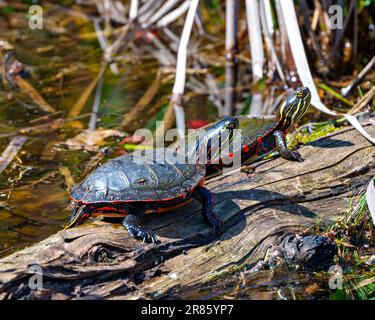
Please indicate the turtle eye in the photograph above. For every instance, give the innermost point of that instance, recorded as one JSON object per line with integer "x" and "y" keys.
{"x": 231, "y": 125}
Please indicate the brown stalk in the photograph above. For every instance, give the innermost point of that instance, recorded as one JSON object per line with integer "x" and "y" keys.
{"x": 11, "y": 151}
{"x": 27, "y": 88}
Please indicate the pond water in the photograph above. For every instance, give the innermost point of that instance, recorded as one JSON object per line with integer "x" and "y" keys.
{"x": 62, "y": 60}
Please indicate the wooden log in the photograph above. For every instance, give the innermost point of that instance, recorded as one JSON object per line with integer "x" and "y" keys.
{"x": 100, "y": 260}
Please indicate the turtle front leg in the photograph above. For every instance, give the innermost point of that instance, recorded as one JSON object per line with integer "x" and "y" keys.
{"x": 206, "y": 198}
{"x": 283, "y": 150}
{"x": 134, "y": 226}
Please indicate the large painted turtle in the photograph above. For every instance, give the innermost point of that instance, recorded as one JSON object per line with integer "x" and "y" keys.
{"x": 129, "y": 186}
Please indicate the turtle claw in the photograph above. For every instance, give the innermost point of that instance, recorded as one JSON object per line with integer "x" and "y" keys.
{"x": 154, "y": 239}
{"x": 144, "y": 234}
{"x": 150, "y": 238}
{"x": 296, "y": 156}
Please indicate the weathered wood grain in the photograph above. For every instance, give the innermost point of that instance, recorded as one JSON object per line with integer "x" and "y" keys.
{"x": 100, "y": 260}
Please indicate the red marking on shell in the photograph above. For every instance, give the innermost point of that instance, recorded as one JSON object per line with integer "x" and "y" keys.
{"x": 107, "y": 208}
{"x": 85, "y": 216}
{"x": 114, "y": 209}
{"x": 259, "y": 140}
{"x": 230, "y": 155}
{"x": 245, "y": 148}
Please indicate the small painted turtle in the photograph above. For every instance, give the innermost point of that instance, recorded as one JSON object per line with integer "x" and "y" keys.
{"x": 263, "y": 135}
{"x": 259, "y": 135}
{"x": 127, "y": 186}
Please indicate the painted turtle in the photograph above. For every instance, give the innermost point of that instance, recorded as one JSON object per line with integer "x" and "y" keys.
{"x": 259, "y": 135}
{"x": 263, "y": 135}
{"x": 130, "y": 187}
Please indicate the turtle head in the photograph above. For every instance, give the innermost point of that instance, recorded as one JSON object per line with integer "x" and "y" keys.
{"x": 78, "y": 216}
{"x": 294, "y": 107}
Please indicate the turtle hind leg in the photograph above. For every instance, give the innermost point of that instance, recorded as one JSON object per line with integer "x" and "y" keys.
{"x": 206, "y": 198}
{"x": 133, "y": 224}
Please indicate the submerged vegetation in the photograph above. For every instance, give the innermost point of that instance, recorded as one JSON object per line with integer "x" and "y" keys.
{"x": 73, "y": 94}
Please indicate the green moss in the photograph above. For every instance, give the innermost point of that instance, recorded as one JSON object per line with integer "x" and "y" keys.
{"x": 227, "y": 272}
{"x": 319, "y": 130}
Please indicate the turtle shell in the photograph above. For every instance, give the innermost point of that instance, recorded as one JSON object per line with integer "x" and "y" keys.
{"x": 253, "y": 127}
{"x": 131, "y": 177}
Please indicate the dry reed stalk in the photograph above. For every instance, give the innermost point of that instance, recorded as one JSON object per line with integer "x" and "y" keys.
{"x": 255, "y": 39}
{"x": 231, "y": 48}
{"x": 175, "y": 109}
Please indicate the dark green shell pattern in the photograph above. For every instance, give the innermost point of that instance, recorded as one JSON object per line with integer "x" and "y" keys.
{"x": 130, "y": 178}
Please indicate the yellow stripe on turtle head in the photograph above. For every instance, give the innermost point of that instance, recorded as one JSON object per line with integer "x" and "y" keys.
{"x": 77, "y": 213}
{"x": 294, "y": 107}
